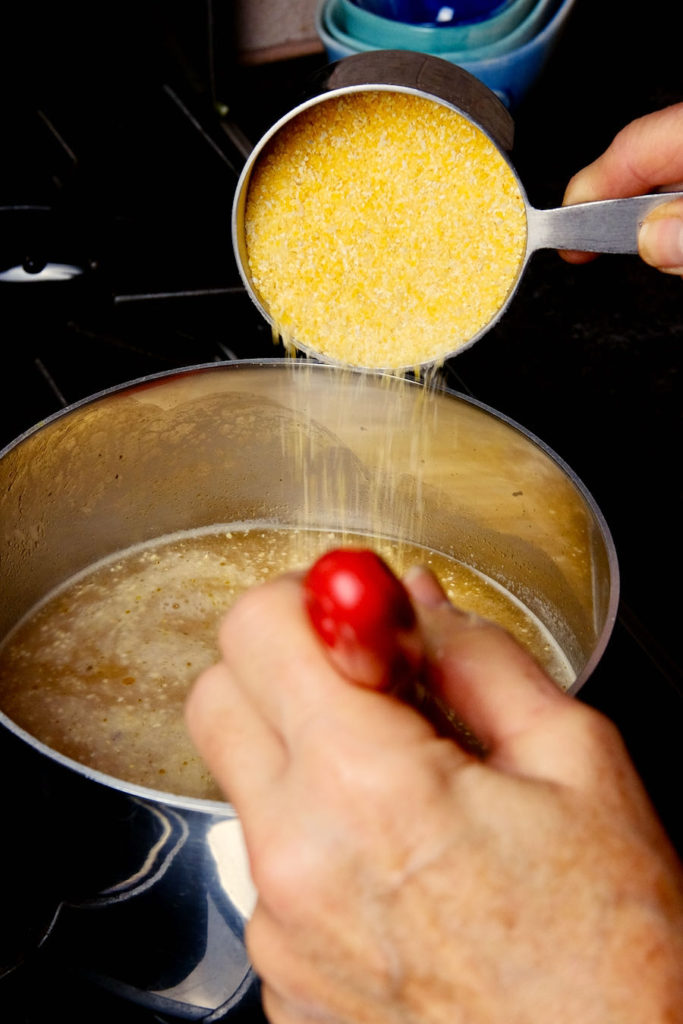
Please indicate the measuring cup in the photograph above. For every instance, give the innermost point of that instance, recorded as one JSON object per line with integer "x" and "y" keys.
{"x": 606, "y": 226}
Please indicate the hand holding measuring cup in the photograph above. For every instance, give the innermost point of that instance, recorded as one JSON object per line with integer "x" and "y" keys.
{"x": 645, "y": 155}
{"x": 381, "y": 224}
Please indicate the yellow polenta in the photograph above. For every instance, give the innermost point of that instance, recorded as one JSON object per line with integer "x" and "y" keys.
{"x": 383, "y": 229}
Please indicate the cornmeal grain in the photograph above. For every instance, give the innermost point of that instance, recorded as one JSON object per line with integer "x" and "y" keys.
{"x": 383, "y": 229}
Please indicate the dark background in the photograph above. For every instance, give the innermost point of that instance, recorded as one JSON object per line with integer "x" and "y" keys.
{"x": 111, "y": 177}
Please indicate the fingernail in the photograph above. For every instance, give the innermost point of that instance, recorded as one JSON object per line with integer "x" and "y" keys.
{"x": 661, "y": 244}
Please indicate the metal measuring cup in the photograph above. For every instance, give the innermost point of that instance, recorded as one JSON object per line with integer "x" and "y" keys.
{"x": 605, "y": 226}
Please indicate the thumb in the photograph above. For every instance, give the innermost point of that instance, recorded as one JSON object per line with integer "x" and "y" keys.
{"x": 660, "y": 239}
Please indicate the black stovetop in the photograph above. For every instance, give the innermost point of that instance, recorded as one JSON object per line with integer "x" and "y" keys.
{"x": 122, "y": 146}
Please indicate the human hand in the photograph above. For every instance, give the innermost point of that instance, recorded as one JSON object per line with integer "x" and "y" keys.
{"x": 646, "y": 156}
{"x": 402, "y": 879}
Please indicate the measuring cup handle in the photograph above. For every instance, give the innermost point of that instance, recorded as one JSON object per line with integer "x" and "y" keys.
{"x": 608, "y": 225}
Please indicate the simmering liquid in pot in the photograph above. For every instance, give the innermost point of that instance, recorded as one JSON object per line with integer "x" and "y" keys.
{"x": 101, "y": 669}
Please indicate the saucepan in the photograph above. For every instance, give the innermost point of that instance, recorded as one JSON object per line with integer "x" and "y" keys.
{"x": 147, "y": 891}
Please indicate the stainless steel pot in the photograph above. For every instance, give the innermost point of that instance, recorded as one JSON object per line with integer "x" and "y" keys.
{"x": 150, "y": 890}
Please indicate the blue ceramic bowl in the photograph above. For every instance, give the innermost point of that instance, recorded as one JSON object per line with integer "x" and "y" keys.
{"x": 434, "y": 12}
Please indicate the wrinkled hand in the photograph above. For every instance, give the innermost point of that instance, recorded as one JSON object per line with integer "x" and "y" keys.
{"x": 646, "y": 156}
{"x": 402, "y": 880}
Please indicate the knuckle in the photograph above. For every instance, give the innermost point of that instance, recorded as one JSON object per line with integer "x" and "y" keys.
{"x": 597, "y": 731}
{"x": 250, "y": 605}
{"x": 277, "y": 876}
{"x": 290, "y": 872}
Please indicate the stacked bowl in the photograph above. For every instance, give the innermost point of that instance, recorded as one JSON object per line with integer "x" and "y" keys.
{"x": 504, "y": 43}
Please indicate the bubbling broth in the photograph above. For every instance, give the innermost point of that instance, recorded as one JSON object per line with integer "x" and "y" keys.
{"x": 100, "y": 670}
